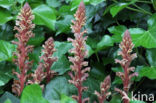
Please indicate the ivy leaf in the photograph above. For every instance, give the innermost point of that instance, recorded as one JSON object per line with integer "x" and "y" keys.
{"x": 63, "y": 26}
{"x": 149, "y": 72}
{"x": 61, "y": 65}
{"x": 5, "y": 16}
{"x": 105, "y": 42}
{"x": 136, "y": 101}
{"x": 95, "y": 2}
{"x": 151, "y": 57}
{"x": 62, "y": 48}
{"x": 117, "y": 8}
{"x": 8, "y": 101}
{"x": 53, "y": 3}
{"x": 144, "y": 38}
{"x": 6, "y": 50}
{"x": 114, "y": 10}
{"x": 75, "y": 3}
{"x": 66, "y": 99}
{"x": 8, "y": 96}
{"x": 55, "y": 88}
{"x": 6, "y": 3}
{"x": 32, "y": 94}
{"x": 117, "y": 31}
{"x": 44, "y": 15}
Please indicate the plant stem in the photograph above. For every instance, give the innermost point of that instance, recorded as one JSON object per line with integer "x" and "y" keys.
{"x": 146, "y": 12}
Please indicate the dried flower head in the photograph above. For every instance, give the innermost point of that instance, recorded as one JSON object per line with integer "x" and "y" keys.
{"x": 80, "y": 52}
{"x": 104, "y": 87}
{"x": 126, "y": 49}
{"x": 24, "y": 27}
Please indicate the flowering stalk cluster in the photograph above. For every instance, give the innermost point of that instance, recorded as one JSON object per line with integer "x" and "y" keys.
{"x": 79, "y": 73}
{"x": 24, "y": 27}
{"x": 40, "y": 74}
{"x": 104, "y": 87}
{"x": 48, "y": 50}
{"x": 126, "y": 48}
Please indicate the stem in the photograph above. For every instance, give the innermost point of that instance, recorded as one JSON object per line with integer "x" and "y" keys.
{"x": 146, "y": 12}
{"x": 148, "y": 2}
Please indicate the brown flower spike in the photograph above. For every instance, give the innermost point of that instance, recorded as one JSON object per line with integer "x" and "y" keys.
{"x": 104, "y": 87}
{"x": 48, "y": 50}
{"x": 126, "y": 48}
{"x": 79, "y": 73}
{"x": 43, "y": 70}
{"x": 24, "y": 27}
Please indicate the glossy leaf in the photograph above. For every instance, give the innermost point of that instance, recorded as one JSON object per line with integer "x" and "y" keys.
{"x": 136, "y": 101}
{"x": 7, "y": 101}
{"x": 53, "y": 3}
{"x": 66, "y": 99}
{"x": 6, "y": 3}
{"x": 9, "y": 96}
{"x": 55, "y": 88}
{"x": 5, "y": 16}
{"x": 62, "y": 65}
{"x": 105, "y": 42}
{"x": 44, "y": 15}
{"x": 63, "y": 26}
{"x": 149, "y": 72}
{"x": 117, "y": 31}
{"x": 151, "y": 57}
{"x": 117, "y": 8}
{"x": 32, "y": 94}
{"x": 95, "y": 2}
{"x": 6, "y": 50}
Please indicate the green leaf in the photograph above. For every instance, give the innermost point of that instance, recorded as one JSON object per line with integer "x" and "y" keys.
{"x": 136, "y": 101}
{"x": 6, "y": 50}
{"x": 66, "y": 99}
{"x": 62, "y": 48}
{"x": 37, "y": 40}
{"x": 9, "y": 96}
{"x": 105, "y": 42}
{"x": 7, "y": 101}
{"x": 95, "y": 2}
{"x": 149, "y": 72}
{"x": 6, "y": 3}
{"x": 151, "y": 57}
{"x": 117, "y": 8}
{"x": 32, "y": 94}
{"x": 44, "y": 15}
{"x": 61, "y": 65}
{"x": 75, "y": 3}
{"x": 5, "y": 16}
{"x": 154, "y": 4}
{"x": 4, "y": 78}
{"x": 120, "y": 6}
{"x": 63, "y": 26}
{"x": 55, "y": 88}
{"x": 90, "y": 50}
{"x": 117, "y": 31}
{"x": 53, "y": 3}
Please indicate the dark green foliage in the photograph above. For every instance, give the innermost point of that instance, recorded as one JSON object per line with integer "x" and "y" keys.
{"x": 106, "y": 22}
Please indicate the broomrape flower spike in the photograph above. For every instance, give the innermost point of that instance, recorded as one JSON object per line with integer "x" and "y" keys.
{"x": 48, "y": 50}
{"x": 24, "y": 27}
{"x": 79, "y": 73}
{"x": 40, "y": 74}
{"x": 126, "y": 48}
{"x": 104, "y": 87}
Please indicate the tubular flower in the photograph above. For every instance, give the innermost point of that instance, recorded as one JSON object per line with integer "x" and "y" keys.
{"x": 48, "y": 50}
{"x": 24, "y": 27}
{"x": 104, "y": 87}
{"x": 126, "y": 48}
{"x": 79, "y": 72}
